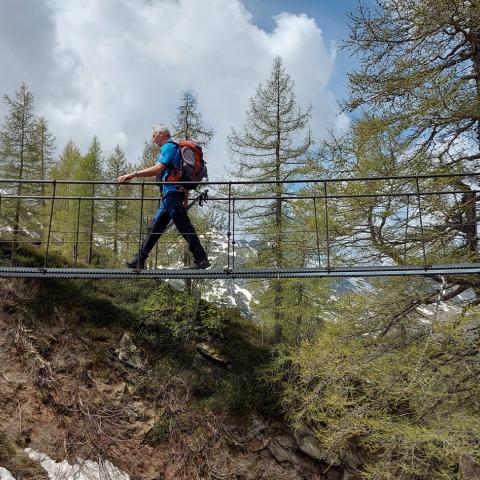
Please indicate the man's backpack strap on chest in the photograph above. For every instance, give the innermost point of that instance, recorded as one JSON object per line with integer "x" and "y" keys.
{"x": 176, "y": 173}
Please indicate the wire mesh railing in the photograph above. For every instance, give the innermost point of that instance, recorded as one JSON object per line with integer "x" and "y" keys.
{"x": 390, "y": 222}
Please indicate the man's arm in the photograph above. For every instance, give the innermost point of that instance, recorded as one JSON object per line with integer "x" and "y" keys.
{"x": 157, "y": 169}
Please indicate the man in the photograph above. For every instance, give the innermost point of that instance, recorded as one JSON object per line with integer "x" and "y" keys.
{"x": 173, "y": 204}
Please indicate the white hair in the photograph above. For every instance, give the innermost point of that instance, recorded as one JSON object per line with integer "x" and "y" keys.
{"x": 161, "y": 129}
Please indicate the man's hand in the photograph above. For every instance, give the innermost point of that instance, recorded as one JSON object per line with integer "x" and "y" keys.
{"x": 127, "y": 178}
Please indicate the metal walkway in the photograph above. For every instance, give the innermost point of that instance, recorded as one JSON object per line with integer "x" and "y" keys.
{"x": 389, "y": 271}
{"x": 425, "y": 224}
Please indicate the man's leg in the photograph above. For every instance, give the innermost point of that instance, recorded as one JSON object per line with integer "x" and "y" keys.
{"x": 157, "y": 226}
{"x": 187, "y": 230}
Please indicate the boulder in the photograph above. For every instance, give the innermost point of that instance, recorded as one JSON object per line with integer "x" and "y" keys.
{"x": 308, "y": 444}
{"x": 128, "y": 353}
{"x": 282, "y": 448}
{"x": 213, "y": 353}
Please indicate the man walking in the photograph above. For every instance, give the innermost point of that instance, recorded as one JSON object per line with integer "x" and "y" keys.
{"x": 173, "y": 204}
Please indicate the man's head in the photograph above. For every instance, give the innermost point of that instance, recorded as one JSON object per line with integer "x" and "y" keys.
{"x": 160, "y": 134}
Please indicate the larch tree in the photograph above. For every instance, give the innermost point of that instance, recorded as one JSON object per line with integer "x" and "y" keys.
{"x": 272, "y": 145}
{"x": 91, "y": 169}
{"x": 42, "y": 150}
{"x": 417, "y": 94}
{"x": 394, "y": 379}
{"x": 419, "y": 72}
{"x": 116, "y": 212}
{"x": 189, "y": 125}
{"x": 65, "y": 220}
{"x": 16, "y": 159}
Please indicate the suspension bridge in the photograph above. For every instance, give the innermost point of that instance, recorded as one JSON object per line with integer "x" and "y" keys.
{"x": 332, "y": 227}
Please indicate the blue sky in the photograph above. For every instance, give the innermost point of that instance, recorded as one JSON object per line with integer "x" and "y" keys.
{"x": 331, "y": 16}
{"x": 114, "y": 68}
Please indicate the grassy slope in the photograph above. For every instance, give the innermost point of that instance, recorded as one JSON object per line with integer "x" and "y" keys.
{"x": 183, "y": 415}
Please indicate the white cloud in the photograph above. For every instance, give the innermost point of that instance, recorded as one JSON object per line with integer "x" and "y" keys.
{"x": 113, "y": 68}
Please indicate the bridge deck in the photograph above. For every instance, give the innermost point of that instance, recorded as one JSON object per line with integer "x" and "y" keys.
{"x": 354, "y": 271}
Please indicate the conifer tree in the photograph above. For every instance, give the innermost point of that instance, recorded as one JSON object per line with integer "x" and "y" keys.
{"x": 15, "y": 155}
{"x": 42, "y": 150}
{"x": 419, "y": 72}
{"x": 417, "y": 91}
{"x": 91, "y": 168}
{"x": 67, "y": 167}
{"x": 189, "y": 125}
{"x": 116, "y": 212}
{"x": 273, "y": 145}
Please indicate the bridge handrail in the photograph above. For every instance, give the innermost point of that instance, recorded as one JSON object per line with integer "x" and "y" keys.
{"x": 254, "y": 182}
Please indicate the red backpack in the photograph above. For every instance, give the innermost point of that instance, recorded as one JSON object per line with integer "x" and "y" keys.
{"x": 194, "y": 168}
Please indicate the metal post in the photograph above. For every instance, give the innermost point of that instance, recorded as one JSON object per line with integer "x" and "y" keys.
{"x": 406, "y": 231}
{"x": 316, "y": 231}
{"x": 233, "y": 234}
{"x": 50, "y": 223}
{"x": 77, "y": 232}
{"x": 476, "y": 227}
{"x": 229, "y": 223}
{"x": 421, "y": 223}
{"x": 141, "y": 220}
{"x": 326, "y": 225}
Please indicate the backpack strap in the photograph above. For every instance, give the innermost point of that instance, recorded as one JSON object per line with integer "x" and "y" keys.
{"x": 176, "y": 173}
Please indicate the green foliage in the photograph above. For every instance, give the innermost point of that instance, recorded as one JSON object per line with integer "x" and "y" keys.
{"x": 273, "y": 145}
{"x": 395, "y": 386}
{"x": 418, "y": 73}
{"x": 180, "y": 315}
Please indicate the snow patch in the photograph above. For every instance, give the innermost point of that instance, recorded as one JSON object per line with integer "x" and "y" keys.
{"x": 83, "y": 470}
{"x": 5, "y": 474}
{"x": 244, "y": 291}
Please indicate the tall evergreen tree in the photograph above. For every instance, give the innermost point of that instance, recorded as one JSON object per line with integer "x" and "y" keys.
{"x": 42, "y": 150}
{"x": 273, "y": 145}
{"x": 15, "y": 155}
{"x": 419, "y": 80}
{"x": 67, "y": 167}
{"x": 116, "y": 213}
{"x": 91, "y": 168}
{"x": 189, "y": 125}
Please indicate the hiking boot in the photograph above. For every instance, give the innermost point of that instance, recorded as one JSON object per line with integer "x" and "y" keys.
{"x": 136, "y": 263}
{"x": 202, "y": 264}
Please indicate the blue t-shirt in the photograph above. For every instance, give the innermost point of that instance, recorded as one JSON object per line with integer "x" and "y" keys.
{"x": 169, "y": 155}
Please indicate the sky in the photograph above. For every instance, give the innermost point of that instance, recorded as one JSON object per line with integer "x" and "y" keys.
{"x": 115, "y": 68}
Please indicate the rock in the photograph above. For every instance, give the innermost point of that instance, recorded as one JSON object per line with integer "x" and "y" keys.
{"x": 128, "y": 353}
{"x": 213, "y": 353}
{"x": 469, "y": 470}
{"x": 309, "y": 445}
{"x": 282, "y": 449}
{"x": 257, "y": 444}
{"x": 257, "y": 427}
